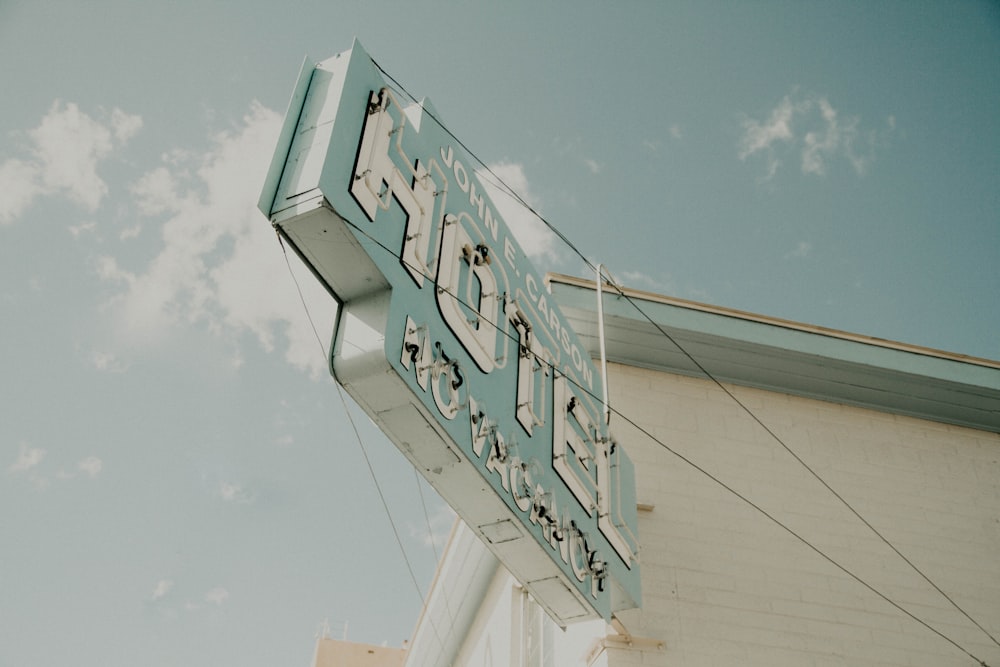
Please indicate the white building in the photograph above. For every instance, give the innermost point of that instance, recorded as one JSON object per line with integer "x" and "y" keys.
{"x": 342, "y": 653}
{"x": 749, "y": 557}
{"x": 804, "y": 496}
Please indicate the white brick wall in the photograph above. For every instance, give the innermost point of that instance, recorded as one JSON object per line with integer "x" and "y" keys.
{"x": 723, "y": 585}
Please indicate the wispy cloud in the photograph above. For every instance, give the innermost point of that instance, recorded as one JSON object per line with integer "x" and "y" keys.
{"x": 808, "y": 127}
{"x": 83, "y": 228}
{"x": 219, "y": 259}
{"x": 675, "y": 132}
{"x": 91, "y": 466}
{"x": 161, "y": 589}
{"x": 156, "y": 192}
{"x": 107, "y": 362}
{"x": 535, "y": 238}
{"x": 644, "y": 281}
{"x": 234, "y": 493}
{"x": 130, "y": 233}
{"x": 801, "y": 250}
{"x": 27, "y": 458}
{"x": 217, "y": 596}
{"x": 62, "y": 157}
{"x": 125, "y": 126}
{"x": 20, "y": 183}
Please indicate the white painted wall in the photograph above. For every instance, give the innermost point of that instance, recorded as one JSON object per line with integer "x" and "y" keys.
{"x": 511, "y": 630}
{"x": 723, "y": 585}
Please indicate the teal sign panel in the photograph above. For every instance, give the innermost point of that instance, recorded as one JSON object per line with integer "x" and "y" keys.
{"x": 390, "y": 212}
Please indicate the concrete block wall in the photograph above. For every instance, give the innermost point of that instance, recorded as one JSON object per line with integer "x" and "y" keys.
{"x": 725, "y": 585}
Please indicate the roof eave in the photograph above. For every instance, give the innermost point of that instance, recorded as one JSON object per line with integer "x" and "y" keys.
{"x": 644, "y": 329}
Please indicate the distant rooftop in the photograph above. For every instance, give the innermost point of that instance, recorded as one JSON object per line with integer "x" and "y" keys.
{"x": 342, "y": 653}
{"x": 784, "y": 356}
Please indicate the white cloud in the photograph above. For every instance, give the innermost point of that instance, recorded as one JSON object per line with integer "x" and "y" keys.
{"x": 65, "y": 150}
{"x": 217, "y": 596}
{"x": 835, "y": 137}
{"x": 800, "y": 251}
{"x": 91, "y": 465}
{"x": 106, "y": 268}
{"x": 593, "y": 166}
{"x": 125, "y": 125}
{"x": 86, "y": 227}
{"x": 810, "y": 126}
{"x": 220, "y": 264}
{"x": 27, "y": 458}
{"x": 758, "y": 136}
{"x": 69, "y": 144}
{"x": 762, "y": 136}
{"x": 161, "y": 589}
{"x": 535, "y": 238}
{"x": 20, "y": 183}
{"x": 676, "y": 131}
{"x": 234, "y": 493}
{"x": 156, "y": 192}
{"x": 107, "y": 362}
{"x": 643, "y": 281}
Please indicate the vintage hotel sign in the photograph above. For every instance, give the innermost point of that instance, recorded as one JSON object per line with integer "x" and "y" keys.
{"x": 448, "y": 339}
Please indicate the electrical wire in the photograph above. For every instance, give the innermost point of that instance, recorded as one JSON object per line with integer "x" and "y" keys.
{"x": 772, "y": 434}
{"x": 510, "y": 192}
{"x": 506, "y": 189}
{"x": 364, "y": 451}
{"x": 427, "y": 518}
{"x": 583, "y": 389}
{"x": 437, "y": 558}
{"x": 805, "y": 465}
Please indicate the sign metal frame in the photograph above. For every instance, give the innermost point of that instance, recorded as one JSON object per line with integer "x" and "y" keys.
{"x": 447, "y": 338}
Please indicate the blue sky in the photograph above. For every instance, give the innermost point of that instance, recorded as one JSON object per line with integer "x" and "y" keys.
{"x": 178, "y": 479}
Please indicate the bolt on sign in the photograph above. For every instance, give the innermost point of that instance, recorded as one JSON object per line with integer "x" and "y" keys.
{"x": 447, "y": 337}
